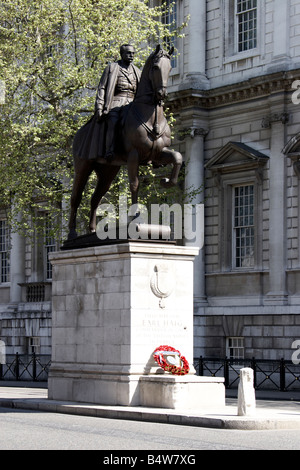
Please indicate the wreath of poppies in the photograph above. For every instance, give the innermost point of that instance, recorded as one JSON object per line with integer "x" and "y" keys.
{"x": 165, "y": 365}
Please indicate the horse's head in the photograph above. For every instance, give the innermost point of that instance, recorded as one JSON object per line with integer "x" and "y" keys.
{"x": 159, "y": 72}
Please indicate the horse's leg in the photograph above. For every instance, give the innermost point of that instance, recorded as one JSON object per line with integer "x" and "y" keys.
{"x": 174, "y": 158}
{"x": 133, "y": 175}
{"x": 83, "y": 169}
{"x": 106, "y": 175}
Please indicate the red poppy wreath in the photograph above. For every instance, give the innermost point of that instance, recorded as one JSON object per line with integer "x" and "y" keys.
{"x": 159, "y": 356}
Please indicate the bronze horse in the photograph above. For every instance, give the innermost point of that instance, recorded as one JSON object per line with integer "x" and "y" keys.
{"x": 144, "y": 137}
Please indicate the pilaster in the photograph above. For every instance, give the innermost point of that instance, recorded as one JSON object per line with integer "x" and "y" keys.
{"x": 17, "y": 266}
{"x": 194, "y": 181}
{"x": 281, "y": 36}
{"x": 277, "y": 212}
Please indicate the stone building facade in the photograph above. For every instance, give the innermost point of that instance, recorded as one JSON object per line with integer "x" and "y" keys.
{"x": 234, "y": 93}
{"x": 25, "y": 291}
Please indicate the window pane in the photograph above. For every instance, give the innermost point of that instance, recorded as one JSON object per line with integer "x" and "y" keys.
{"x": 170, "y": 19}
{"x": 235, "y": 348}
{"x": 33, "y": 343}
{"x": 4, "y": 252}
{"x": 244, "y": 230}
{"x": 50, "y": 246}
{"x": 246, "y": 12}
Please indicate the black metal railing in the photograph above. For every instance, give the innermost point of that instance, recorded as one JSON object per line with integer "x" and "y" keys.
{"x": 279, "y": 374}
{"x": 30, "y": 367}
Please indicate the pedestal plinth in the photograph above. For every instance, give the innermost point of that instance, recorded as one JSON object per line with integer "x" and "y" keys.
{"x": 112, "y": 306}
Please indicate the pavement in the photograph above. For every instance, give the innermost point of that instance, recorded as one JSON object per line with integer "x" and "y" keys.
{"x": 274, "y": 410}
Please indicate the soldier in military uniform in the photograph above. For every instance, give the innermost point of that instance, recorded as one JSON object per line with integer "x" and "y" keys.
{"x": 117, "y": 88}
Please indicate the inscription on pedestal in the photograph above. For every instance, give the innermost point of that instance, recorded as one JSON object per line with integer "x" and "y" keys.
{"x": 161, "y": 325}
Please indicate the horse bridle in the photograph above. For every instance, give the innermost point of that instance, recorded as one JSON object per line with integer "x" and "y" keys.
{"x": 155, "y": 133}
{"x": 156, "y": 57}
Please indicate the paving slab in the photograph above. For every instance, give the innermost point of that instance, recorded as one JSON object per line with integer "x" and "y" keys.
{"x": 270, "y": 414}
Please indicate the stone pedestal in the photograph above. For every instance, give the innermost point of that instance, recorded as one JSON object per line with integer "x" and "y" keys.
{"x": 112, "y": 306}
{"x": 187, "y": 392}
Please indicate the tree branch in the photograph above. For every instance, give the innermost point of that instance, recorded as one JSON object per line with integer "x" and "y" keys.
{"x": 74, "y": 31}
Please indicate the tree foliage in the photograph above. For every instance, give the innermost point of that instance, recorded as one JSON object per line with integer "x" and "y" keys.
{"x": 52, "y": 54}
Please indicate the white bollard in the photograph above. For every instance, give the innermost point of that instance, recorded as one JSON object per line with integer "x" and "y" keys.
{"x": 246, "y": 393}
{"x": 2, "y": 352}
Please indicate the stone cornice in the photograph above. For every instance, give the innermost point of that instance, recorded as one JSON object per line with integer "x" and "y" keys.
{"x": 251, "y": 89}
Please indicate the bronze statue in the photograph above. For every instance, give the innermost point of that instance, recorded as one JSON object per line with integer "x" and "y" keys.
{"x": 117, "y": 88}
{"x": 141, "y": 136}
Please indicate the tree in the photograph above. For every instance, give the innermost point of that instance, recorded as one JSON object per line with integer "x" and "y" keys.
{"x": 52, "y": 53}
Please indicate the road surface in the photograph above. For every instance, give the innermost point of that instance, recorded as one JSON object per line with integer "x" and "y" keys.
{"x": 32, "y": 430}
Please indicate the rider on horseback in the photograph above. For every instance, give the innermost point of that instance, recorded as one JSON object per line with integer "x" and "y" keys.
{"x": 145, "y": 136}
{"x": 117, "y": 88}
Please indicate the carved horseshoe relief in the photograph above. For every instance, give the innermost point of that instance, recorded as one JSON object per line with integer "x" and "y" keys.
{"x": 162, "y": 283}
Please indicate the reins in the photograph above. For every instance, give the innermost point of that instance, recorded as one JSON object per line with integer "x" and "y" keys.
{"x": 154, "y": 132}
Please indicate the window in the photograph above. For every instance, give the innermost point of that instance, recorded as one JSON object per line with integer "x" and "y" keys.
{"x": 243, "y": 227}
{"x": 4, "y": 252}
{"x": 246, "y": 14}
{"x": 238, "y": 171}
{"x": 235, "y": 347}
{"x": 35, "y": 292}
{"x": 169, "y": 18}
{"x": 244, "y": 30}
{"x": 33, "y": 344}
{"x": 50, "y": 246}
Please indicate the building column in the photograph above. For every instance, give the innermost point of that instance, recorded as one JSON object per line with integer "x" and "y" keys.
{"x": 196, "y": 66}
{"x": 277, "y": 294}
{"x": 194, "y": 181}
{"x": 17, "y": 266}
{"x": 281, "y": 53}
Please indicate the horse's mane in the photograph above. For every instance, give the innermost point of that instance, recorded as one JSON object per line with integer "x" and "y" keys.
{"x": 154, "y": 57}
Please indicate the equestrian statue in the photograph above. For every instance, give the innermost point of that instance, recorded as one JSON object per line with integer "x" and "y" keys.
{"x": 128, "y": 128}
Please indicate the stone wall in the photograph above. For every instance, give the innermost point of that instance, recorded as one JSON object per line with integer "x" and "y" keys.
{"x": 16, "y": 327}
{"x": 278, "y": 41}
{"x": 265, "y": 336}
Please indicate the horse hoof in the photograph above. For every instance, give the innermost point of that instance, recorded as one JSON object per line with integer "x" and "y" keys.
{"x": 72, "y": 234}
